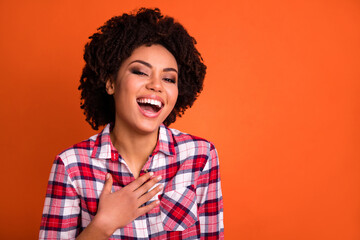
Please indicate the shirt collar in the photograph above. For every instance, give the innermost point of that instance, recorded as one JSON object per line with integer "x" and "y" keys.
{"x": 165, "y": 141}
{"x": 104, "y": 149}
{"x": 103, "y": 146}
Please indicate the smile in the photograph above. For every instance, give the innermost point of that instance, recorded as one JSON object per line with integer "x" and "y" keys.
{"x": 149, "y": 105}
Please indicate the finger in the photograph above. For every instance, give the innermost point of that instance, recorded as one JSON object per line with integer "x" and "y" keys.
{"x": 108, "y": 184}
{"x": 147, "y": 208}
{"x": 146, "y": 186}
{"x": 149, "y": 195}
{"x": 139, "y": 181}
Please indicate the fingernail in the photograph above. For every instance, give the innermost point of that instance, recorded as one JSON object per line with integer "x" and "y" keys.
{"x": 107, "y": 176}
{"x": 158, "y": 178}
{"x": 160, "y": 186}
{"x": 151, "y": 173}
{"x": 157, "y": 202}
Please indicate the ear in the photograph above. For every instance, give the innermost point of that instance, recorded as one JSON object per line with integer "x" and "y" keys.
{"x": 110, "y": 89}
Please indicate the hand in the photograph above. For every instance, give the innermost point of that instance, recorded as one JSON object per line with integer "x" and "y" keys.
{"x": 118, "y": 209}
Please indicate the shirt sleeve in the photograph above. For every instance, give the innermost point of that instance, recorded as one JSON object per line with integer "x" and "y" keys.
{"x": 61, "y": 214}
{"x": 210, "y": 201}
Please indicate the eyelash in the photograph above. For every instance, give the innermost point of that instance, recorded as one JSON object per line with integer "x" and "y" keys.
{"x": 170, "y": 80}
{"x": 137, "y": 72}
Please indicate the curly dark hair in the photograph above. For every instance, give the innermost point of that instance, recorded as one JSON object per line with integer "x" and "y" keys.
{"x": 115, "y": 41}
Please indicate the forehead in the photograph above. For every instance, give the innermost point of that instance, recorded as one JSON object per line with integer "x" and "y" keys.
{"x": 156, "y": 55}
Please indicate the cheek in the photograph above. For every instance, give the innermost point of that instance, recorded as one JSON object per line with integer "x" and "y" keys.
{"x": 174, "y": 92}
{"x": 128, "y": 87}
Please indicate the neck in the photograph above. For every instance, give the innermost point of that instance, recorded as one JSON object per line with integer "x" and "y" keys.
{"x": 134, "y": 147}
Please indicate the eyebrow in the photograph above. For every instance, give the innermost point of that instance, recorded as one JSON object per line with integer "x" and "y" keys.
{"x": 150, "y": 66}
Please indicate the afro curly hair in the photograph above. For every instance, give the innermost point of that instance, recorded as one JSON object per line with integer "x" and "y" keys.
{"x": 115, "y": 41}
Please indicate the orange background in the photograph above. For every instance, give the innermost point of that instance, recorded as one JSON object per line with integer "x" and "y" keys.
{"x": 281, "y": 103}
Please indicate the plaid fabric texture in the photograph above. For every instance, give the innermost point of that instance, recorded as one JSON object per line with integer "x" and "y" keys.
{"x": 191, "y": 205}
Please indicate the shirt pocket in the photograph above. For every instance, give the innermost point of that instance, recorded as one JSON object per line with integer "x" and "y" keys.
{"x": 178, "y": 209}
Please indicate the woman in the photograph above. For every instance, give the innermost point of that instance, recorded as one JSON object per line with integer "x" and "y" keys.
{"x": 137, "y": 179}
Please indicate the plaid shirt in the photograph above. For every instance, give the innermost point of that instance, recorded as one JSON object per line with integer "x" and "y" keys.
{"x": 191, "y": 205}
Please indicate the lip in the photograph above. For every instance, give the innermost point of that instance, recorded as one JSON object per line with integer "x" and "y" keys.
{"x": 151, "y": 114}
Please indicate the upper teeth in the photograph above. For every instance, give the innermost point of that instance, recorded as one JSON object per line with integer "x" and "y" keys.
{"x": 150, "y": 101}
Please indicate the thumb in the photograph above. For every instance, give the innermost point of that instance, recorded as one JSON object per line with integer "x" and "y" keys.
{"x": 108, "y": 184}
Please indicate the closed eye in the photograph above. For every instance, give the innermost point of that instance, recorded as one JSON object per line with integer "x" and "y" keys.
{"x": 137, "y": 72}
{"x": 170, "y": 80}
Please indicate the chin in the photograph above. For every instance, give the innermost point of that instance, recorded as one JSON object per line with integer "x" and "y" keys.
{"x": 146, "y": 127}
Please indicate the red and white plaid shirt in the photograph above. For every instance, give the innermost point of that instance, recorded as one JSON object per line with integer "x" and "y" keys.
{"x": 191, "y": 205}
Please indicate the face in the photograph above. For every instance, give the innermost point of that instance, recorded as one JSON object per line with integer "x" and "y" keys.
{"x": 145, "y": 90}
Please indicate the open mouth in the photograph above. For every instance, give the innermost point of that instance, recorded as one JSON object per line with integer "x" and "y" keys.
{"x": 149, "y": 105}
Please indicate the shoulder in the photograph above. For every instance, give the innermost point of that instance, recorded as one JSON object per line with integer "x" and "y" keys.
{"x": 193, "y": 150}
{"x": 188, "y": 145}
{"x": 181, "y": 138}
{"x": 78, "y": 151}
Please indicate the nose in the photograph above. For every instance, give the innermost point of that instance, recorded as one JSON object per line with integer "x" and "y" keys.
{"x": 154, "y": 84}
